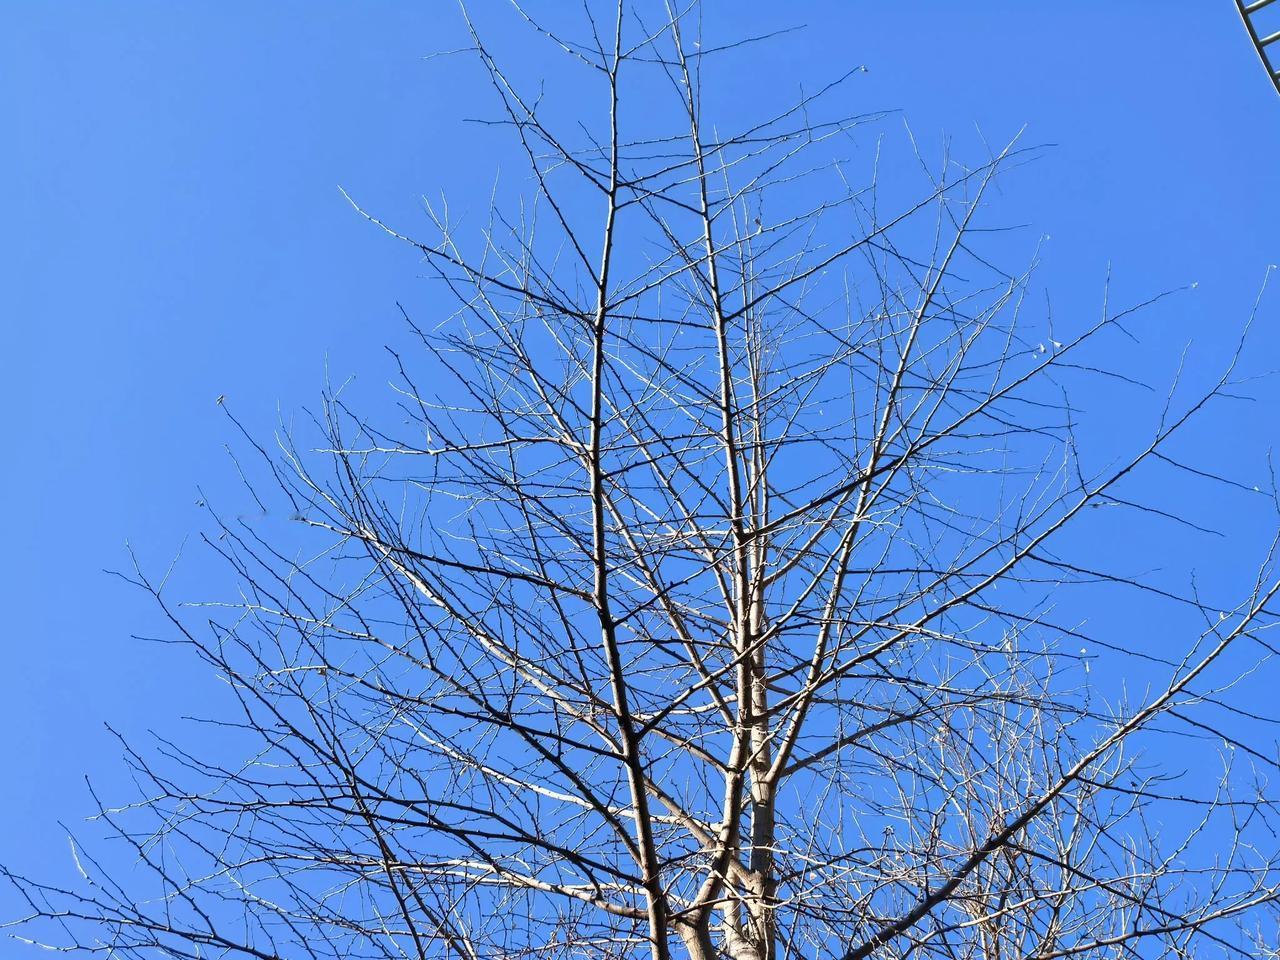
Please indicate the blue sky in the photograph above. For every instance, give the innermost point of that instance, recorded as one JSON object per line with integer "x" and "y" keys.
{"x": 173, "y": 232}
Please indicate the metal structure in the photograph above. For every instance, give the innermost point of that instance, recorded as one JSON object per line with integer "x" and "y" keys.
{"x": 1261, "y": 43}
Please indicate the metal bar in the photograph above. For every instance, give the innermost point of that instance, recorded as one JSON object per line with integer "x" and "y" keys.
{"x": 1269, "y": 40}
{"x": 1272, "y": 74}
{"x": 1257, "y": 5}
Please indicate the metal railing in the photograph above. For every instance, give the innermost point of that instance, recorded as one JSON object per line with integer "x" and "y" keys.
{"x": 1261, "y": 43}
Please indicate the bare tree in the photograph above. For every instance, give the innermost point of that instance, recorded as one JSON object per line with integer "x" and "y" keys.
{"x": 711, "y": 606}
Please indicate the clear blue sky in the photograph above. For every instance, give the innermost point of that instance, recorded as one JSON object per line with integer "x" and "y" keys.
{"x": 173, "y": 231}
